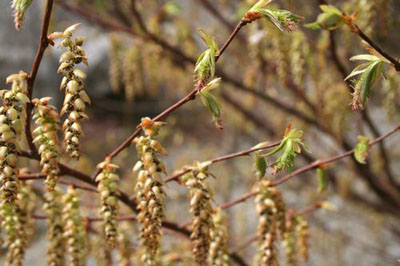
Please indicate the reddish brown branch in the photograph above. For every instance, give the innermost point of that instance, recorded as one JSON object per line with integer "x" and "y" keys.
{"x": 306, "y": 168}
{"x": 226, "y": 158}
{"x": 374, "y": 45}
{"x": 35, "y": 68}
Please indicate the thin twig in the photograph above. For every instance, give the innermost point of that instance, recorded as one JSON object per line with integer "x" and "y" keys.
{"x": 172, "y": 108}
{"x": 43, "y": 44}
{"x": 176, "y": 176}
{"x": 374, "y": 45}
{"x": 306, "y": 168}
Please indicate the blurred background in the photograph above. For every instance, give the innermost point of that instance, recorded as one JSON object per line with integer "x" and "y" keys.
{"x": 269, "y": 79}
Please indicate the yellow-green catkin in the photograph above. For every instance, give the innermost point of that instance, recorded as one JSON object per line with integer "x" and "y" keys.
{"x": 267, "y": 224}
{"x": 280, "y": 56}
{"x": 289, "y": 242}
{"x": 150, "y": 196}
{"x": 115, "y": 66}
{"x": 299, "y": 50}
{"x": 303, "y": 236}
{"x": 26, "y": 223}
{"x": 109, "y": 191}
{"x": 74, "y": 229}
{"x": 385, "y": 16}
{"x": 367, "y": 18}
{"x": 46, "y": 139}
{"x": 56, "y": 242}
{"x": 389, "y": 88}
{"x": 132, "y": 73}
{"x": 201, "y": 210}
{"x": 103, "y": 253}
{"x": 76, "y": 99}
{"x": 125, "y": 247}
{"x": 20, "y": 7}
{"x": 12, "y": 119}
{"x": 218, "y": 255}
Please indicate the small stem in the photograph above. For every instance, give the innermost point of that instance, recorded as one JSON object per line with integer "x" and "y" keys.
{"x": 306, "y": 168}
{"x": 176, "y": 176}
{"x": 362, "y": 35}
{"x": 43, "y": 44}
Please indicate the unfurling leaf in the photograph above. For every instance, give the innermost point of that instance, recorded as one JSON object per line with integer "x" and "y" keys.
{"x": 213, "y": 106}
{"x": 20, "y": 7}
{"x": 205, "y": 66}
{"x": 323, "y": 180}
{"x": 361, "y": 149}
{"x": 282, "y": 19}
{"x": 368, "y": 77}
{"x": 331, "y": 19}
{"x": 260, "y": 165}
{"x": 291, "y": 145}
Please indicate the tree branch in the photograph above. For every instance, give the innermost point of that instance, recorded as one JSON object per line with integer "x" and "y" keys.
{"x": 43, "y": 44}
{"x": 306, "y": 168}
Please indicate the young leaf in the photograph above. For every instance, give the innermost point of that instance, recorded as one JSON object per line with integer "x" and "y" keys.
{"x": 323, "y": 180}
{"x": 366, "y": 57}
{"x": 260, "y": 165}
{"x": 213, "y": 106}
{"x": 282, "y": 19}
{"x": 205, "y": 66}
{"x": 330, "y": 19}
{"x": 369, "y": 73}
{"x": 361, "y": 149}
{"x": 290, "y": 146}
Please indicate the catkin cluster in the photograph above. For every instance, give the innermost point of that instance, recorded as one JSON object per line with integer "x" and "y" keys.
{"x": 46, "y": 139}
{"x": 76, "y": 99}
{"x": 269, "y": 209}
{"x": 56, "y": 242}
{"x": 127, "y": 69}
{"x": 367, "y": 20}
{"x": 298, "y": 51}
{"x": 303, "y": 236}
{"x": 201, "y": 210}
{"x": 74, "y": 230}
{"x": 125, "y": 250}
{"x": 289, "y": 242}
{"x": 109, "y": 190}
{"x": 219, "y": 241}
{"x": 12, "y": 119}
{"x": 280, "y": 54}
{"x": 150, "y": 196}
{"x": 102, "y": 252}
{"x": 25, "y": 222}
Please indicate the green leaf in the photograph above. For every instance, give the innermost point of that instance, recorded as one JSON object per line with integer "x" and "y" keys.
{"x": 330, "y": 19}
{"x": 330, "y": 9}
{"x": 290, "y": 146}
{"x": 368, "y": 78}
{"x": 209, "y": 40}
{"x": 323, "y": 180}
{"x": 358, "y": 70}
{"x": 282, "y": 19}
{"x": 361, "y": 149}
{"x": 211, "y": 103}
{"x": 260, "y": 4}
{"x": 213, "y": 84}
{"x": 260, "y": 165}
{"x": 205, "y": 65}
{"x": 367, "y": 57}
